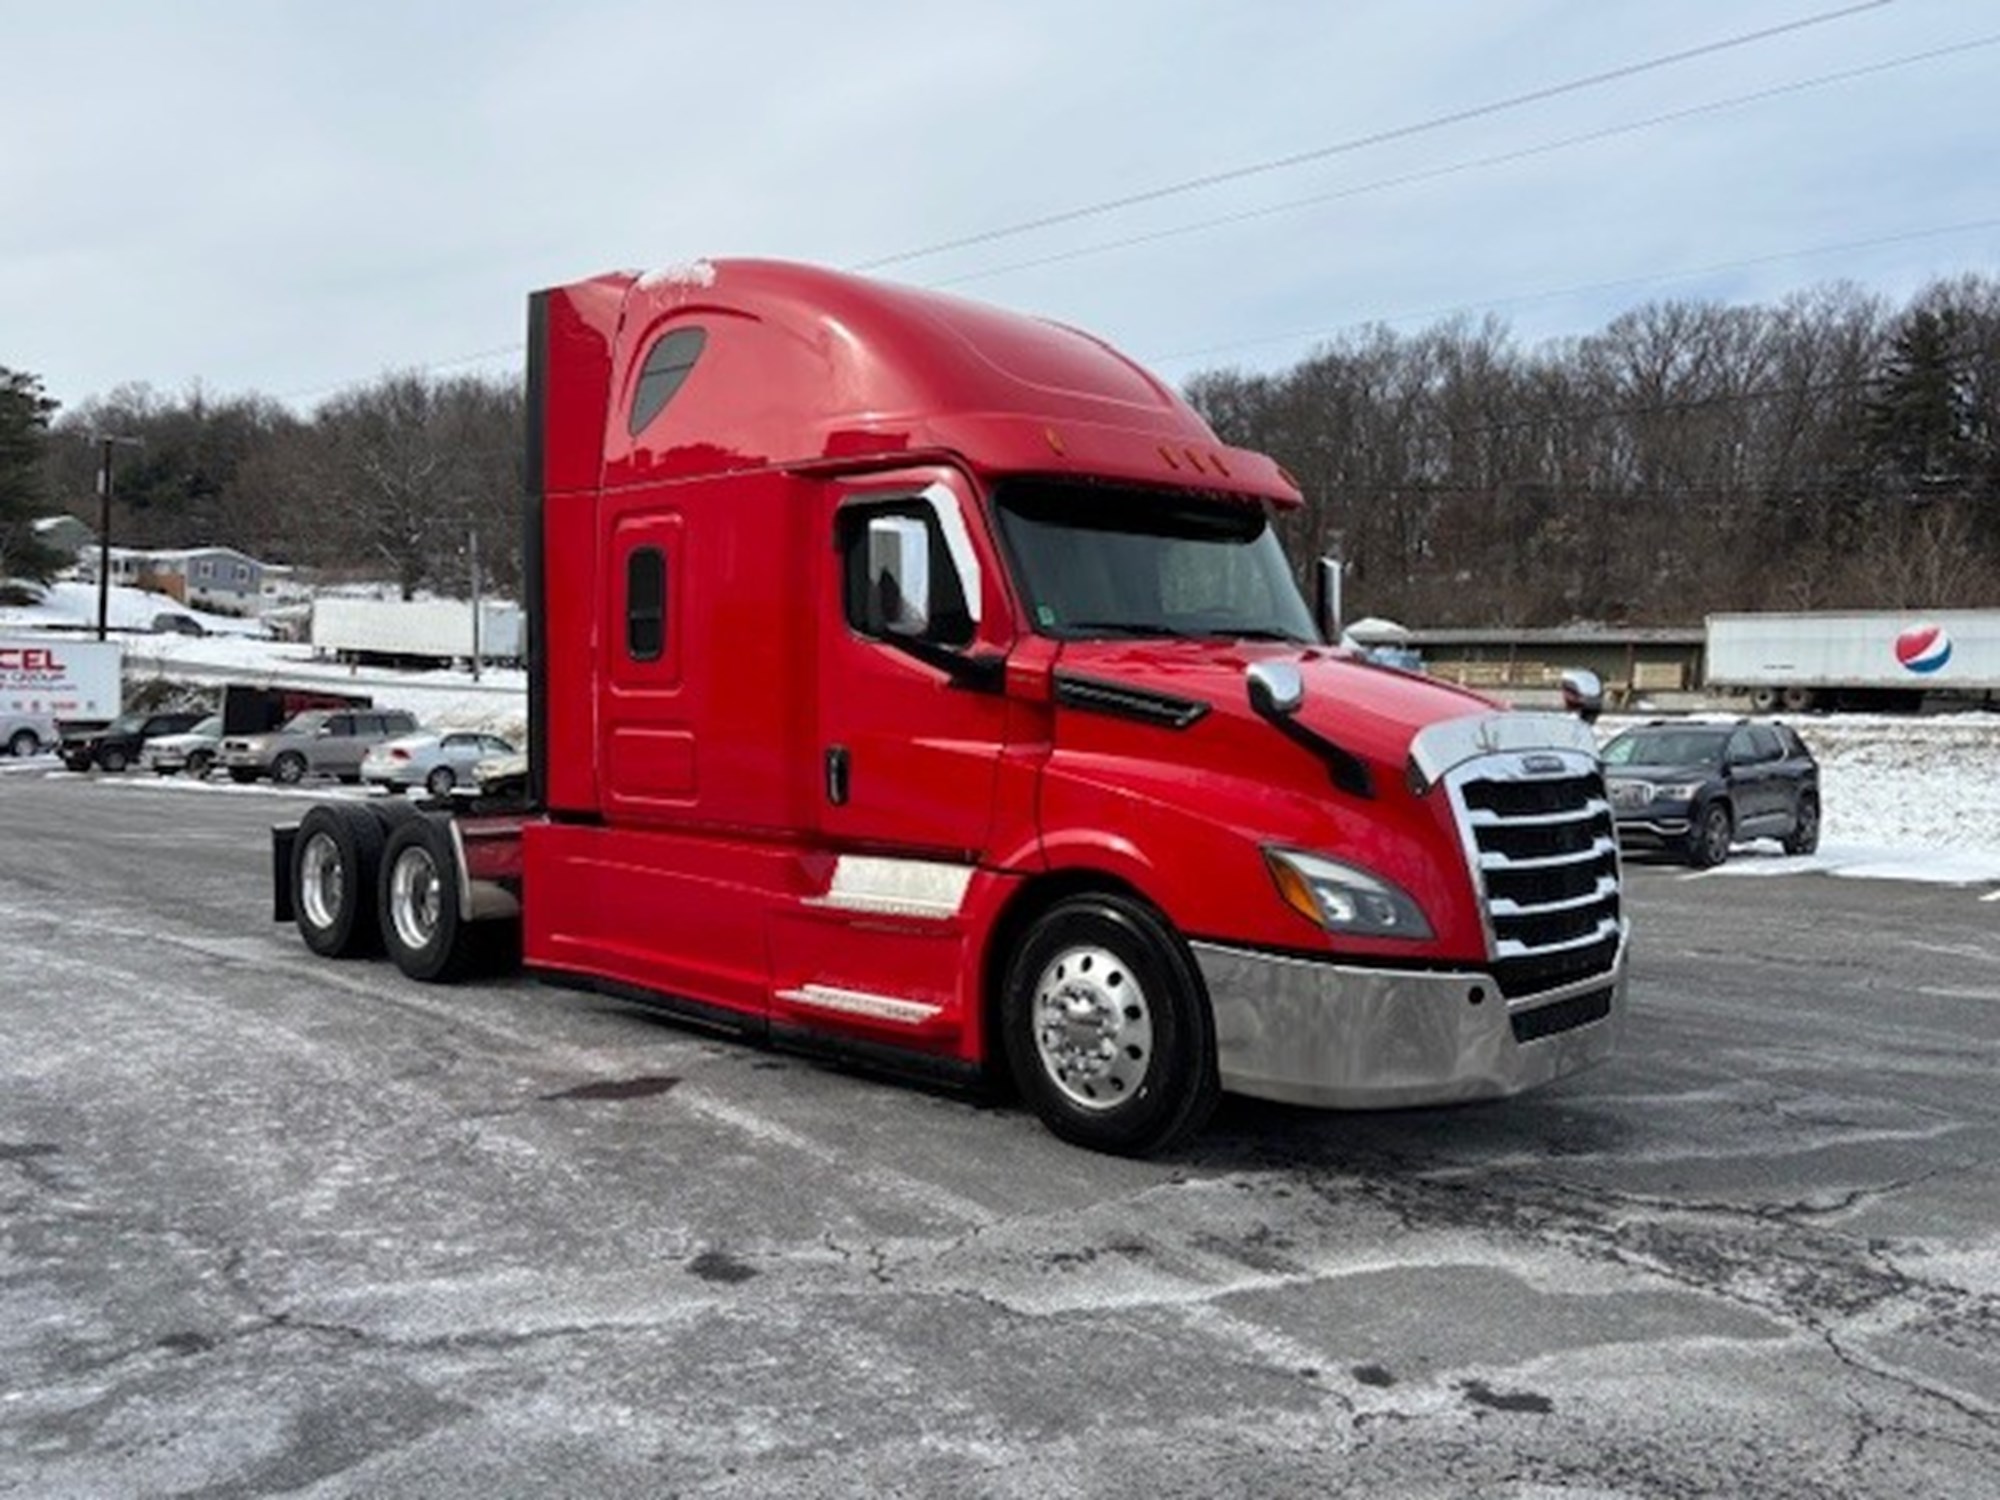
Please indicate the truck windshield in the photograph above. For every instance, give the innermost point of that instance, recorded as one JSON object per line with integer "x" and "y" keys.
{"x": 1102, "y": 562}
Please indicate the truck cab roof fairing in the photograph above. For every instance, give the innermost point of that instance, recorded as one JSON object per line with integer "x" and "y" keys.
{"x": 807, "y": 367}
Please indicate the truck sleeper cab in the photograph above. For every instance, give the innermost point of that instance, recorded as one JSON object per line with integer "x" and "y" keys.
{"x": 927, "y": 683}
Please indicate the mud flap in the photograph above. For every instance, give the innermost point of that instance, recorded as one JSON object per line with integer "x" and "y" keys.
{"x": 284, "y": 837}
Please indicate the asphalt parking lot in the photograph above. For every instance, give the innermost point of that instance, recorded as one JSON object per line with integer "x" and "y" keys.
{"x": 273, "y": 1225}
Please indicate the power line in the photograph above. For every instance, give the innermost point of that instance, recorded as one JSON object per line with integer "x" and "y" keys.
{"x": 1361, "y": 142}
{"x": 1474, "y": 164}
{"x": 454, "y": 362}
{"x": 1578, "y": 289}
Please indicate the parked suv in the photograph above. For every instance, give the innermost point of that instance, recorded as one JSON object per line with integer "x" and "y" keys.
{"x": 322, "y": 741}
{"x": 1695, "y": 789}
{"x": 117, "y": 745}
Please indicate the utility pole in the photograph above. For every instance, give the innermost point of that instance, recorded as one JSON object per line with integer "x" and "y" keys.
{"x": 106, "y": 442}
{"x": 472, "y": 553}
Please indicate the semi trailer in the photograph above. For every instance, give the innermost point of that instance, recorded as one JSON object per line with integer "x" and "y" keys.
{"x": 1880, "y": 659}
{"x": 921, "y": 683}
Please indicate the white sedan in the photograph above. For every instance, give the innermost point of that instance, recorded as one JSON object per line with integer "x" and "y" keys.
{"x": 436, "y": 761}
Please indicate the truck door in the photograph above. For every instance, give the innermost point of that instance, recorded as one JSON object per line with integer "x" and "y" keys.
{"x": 909, "y": 751}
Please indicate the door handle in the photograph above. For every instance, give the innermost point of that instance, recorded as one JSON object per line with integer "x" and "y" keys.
{"x": 836, "y": 775}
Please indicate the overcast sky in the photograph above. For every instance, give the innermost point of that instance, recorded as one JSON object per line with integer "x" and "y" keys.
{"x": 288, "y": 197}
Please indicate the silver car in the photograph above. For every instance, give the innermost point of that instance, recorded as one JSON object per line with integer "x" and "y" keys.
{"x": 193, "y": 752}
{"x": 320, "y": 741}
{"x": 437, "y": 761}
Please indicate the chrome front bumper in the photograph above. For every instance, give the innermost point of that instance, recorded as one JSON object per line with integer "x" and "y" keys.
{"x": 1346, "y": 1037}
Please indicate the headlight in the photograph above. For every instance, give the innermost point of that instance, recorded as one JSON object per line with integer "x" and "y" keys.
{"x": 1678, "y": 791}
{"x": 1344, "y": 898}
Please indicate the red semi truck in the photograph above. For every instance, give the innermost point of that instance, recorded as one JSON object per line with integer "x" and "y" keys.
{"x": 925, "y": 683}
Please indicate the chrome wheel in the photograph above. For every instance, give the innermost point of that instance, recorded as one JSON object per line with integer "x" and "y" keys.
{"x": 322, "y": 883}
{"x": 414, "y": 902}
{"x": 1093, "y": 1027}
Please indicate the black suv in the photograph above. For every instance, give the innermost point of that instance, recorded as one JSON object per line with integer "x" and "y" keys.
{"x": 1695, "y": 789}
{"x": 116, "y": 746}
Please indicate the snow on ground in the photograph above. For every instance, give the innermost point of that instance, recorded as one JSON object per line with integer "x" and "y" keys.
{"x": 1905, "y": 798}
{"x": 236, "y": 651}
{"x": 73, "y": 603}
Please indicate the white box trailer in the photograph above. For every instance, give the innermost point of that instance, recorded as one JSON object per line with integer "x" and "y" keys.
{"x": 46, "y": 681}
{"x": 413, "y": 629}
{"x": 1863, "y": 658}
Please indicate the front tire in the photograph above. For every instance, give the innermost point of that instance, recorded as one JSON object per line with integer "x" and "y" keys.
{"x": 24, "y": 744}
{"x": 1708, "y": 845}
{"x": 417, "y": 903}
{"x": 335, "y": 857}
{"x": 440, "y": 782}
{"x": 1107, "y": 1027}
{"x": 198, "y": 763}
{"x": 289, "y": 769}
{"x": 112, "y": 759}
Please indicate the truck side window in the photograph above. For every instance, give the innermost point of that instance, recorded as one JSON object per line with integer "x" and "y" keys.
{"x": 645, "y": 603}
{"x": 950, "y": 622}
{"x": 666, "y": 370}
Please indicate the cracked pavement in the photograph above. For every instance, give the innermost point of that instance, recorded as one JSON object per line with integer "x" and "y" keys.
{"x": 271, "y": 1225}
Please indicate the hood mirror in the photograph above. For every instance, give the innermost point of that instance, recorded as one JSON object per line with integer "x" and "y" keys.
{"x": 1583, "y": 694}
{"x": 1277, "y": 688}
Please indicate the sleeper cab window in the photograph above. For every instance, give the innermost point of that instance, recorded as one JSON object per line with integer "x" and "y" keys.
{"x": 645, "y": 603}
{"x": 665, "y": 371}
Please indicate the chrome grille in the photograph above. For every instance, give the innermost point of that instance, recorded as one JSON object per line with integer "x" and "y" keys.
{"x": 1545, "y": 855}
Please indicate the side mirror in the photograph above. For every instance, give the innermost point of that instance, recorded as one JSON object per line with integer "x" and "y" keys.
{"x": 899, "y": 576}
{"x": 1583, "y": 694}
{"x": 1276, "y": 689}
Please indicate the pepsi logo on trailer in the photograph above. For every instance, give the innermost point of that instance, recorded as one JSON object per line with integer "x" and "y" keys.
{"x": 1923, "y": 648}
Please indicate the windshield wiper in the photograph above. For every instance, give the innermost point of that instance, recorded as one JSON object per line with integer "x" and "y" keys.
{"x": 1254, "y": 633}
{"x": 1125, "y": 629}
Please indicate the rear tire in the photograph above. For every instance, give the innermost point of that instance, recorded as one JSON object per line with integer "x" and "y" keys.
{"x": 112, "y": 759}
{"x": 24, "y": 744}
{"x": 335, "y": 858}
{"x": 1764, "y": 700}
{"x": 1107, "y": 1027}
{"x": 1804, "y": 837}
{"x": 440, "y": 782}
{"x": 1798, "y": 700}
{"x": 1708, "y": 844}
{"x": 417, "y": 902}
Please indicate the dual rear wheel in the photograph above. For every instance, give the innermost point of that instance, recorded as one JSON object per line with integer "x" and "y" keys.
{"x": 381, "y": 877}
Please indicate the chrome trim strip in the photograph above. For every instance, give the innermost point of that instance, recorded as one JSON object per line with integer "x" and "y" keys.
{"x": 1514, "y": 948}
{"x": 1485, "y": 817}
{"x": 1506, "y": 906}
{"x": 1493, "y": 859}
{"x": 926, "y": 889}
{"x": 860, "y": 1003}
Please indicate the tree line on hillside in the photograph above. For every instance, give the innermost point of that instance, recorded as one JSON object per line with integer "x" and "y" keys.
{"x": 1832, "y": 451}
{"x": 387, "y": 480}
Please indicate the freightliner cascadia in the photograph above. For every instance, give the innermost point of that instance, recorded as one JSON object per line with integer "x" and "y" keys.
{"x": 924, "y": 683}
